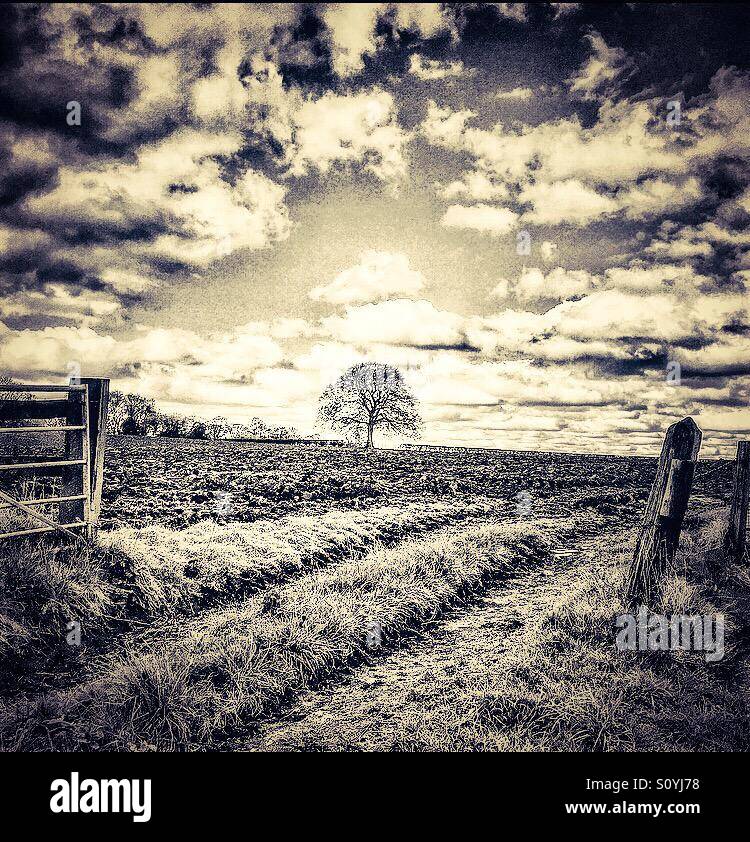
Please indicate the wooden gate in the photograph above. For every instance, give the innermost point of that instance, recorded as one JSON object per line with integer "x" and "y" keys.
{"x": 82, "y": 408}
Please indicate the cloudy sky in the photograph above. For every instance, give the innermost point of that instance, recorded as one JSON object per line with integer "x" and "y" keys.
{"x": 540, "y": 212}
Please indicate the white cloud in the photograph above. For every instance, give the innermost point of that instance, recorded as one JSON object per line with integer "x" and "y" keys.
{"x": 431, "y": 70}
{"x": 397, "y": 322}
{"x": 513, "y": 11}
{"x": 620, "y": 147}
{"x": 221, "y": 356}
{"x": 309, "y": 132}
{"x": 425, "y": 18}
{"x": 719, "y": 121}
{"x": 378, "y": 276}
{"x": 483, "y": 218}
{"x": 558, "y": 284}
{"x": 83, "y": 307}
{"x": 352, "y": 28}
{"x": 568, "y": 202}
{"x": 681, "y": 248}
{"x": 220, "y": 98}
{"x": 53, "y": 348}
{"x": 601, "y": 69}
{"x": 157, "y": 79}
{"x": 444, "y": 126}
{"x": 501, "y": 289}
{"x": 476, "y": 185}
{"x": 123, "y": 280}
{"x": 548, "y": 251}
{"x": 290, "y": 328}
{"x": 729, "y": 354}
{"x": 358, "y": 127}
{"x": 515, "y": 93}
{"x": 564, "y": 9}
{"x": 687, "y": 242}
{"x": 171, "y": 25}
{"x": 655, "y": 196}
{"x": 615, "y": 314}
{"x": 624, "y": 316}
{"x": 174, "y": 185}
{"x": 725, "y": 420}
{"x": 661, "y": 277}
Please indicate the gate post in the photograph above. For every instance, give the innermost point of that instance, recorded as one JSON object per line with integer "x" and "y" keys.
{"x": 98, "y": 389}
{"x": 665, "y": 510}
{"x": 734, "y": 539}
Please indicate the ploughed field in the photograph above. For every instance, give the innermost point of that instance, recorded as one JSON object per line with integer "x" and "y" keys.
{"x": 178, "y": 482}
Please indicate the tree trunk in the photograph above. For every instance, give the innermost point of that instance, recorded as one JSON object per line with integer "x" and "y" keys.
{"x": 370, "y": 428}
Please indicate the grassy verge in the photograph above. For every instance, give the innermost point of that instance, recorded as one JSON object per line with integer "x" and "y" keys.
{"x": 240, "y": 663}
{"x": 566, "y": 687}
{"x": 141, "y": 575}
{"x": 168, "y": 570}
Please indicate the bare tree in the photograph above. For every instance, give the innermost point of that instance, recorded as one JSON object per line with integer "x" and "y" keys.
{"x": 117, "y": 413}
{"x": 370, "y": 396}
{"x": 136, "y": 410}
{"x": 218, "y": 428}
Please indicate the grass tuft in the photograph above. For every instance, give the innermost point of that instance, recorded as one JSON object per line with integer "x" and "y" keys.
{"x": 43, "y": 587}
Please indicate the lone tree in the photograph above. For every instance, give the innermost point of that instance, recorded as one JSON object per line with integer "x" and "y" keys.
{"x": 370, "y": 396}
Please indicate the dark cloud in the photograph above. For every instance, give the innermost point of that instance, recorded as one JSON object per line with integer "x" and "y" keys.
{"x": 612, "y": 367}
{"x": 464, "y": 346}
{"x": 302, "y": 51}
{"x": 38, "y": 321}
{"x": 19, "y": 181}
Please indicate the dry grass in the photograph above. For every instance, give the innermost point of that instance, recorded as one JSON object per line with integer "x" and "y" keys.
{"x": 42, "y": 588}
{"x": 185, "y": 570}
{"x": 237, "y": 664}
{"x": 567, "y": 688}
{"x": 562, "y": 685}
{"x": 153, "y": 573}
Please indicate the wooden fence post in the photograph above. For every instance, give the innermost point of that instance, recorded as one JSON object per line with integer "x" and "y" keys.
{"x": 665, "y": 510}
{"x": 98, "y": 411}
{"x": 734, "y": 540}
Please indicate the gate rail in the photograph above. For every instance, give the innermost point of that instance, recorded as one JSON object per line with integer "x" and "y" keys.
{"x": 84, "y": 412}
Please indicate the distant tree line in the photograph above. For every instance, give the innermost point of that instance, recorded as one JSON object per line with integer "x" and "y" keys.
{"x": 19, "y": 396}
{"x": 134, "y": 415}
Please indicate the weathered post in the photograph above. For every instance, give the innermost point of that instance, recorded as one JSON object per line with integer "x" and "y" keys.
{"x": 98, "y": 388}
{"x": 734, "y": 540}
{"x": 657, "y": 543}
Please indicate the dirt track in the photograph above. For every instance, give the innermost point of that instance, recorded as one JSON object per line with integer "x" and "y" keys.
{"x": 412, "y": 698}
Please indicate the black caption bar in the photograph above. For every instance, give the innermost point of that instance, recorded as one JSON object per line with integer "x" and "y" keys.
{"x": 149, "y": 791}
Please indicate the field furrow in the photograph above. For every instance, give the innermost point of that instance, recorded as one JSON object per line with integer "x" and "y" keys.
{"x": 162, "y": 571}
